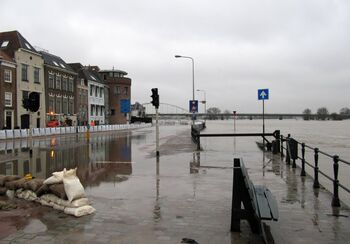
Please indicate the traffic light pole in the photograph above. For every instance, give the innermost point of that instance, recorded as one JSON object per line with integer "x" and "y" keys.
{"x": 157, "y": 134}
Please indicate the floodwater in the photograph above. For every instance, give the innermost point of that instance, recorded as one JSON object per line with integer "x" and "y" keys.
{"x": 139, "y": 198}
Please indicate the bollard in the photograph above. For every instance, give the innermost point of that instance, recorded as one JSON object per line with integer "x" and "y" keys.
{"x": 287, "y": 150}
{"x": 303, "y": 160}
{"x": 293, "y": 151}
{"x": 335, "y": 200}
{"x": 316, "y": 183}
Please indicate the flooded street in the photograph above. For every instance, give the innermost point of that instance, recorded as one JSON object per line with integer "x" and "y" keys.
{"x": 184, "y": 194}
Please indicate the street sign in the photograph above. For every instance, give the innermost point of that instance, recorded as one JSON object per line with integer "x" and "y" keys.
{"x": 125, "y": 106}
{"x": 263, "y": 94}
{"x": 193, "y": 106}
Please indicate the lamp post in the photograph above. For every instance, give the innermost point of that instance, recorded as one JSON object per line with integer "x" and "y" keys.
{"x": 204, "y": 101}
{"x": 179, "y": 56}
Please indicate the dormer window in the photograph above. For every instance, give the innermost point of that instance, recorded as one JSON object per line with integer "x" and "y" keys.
{"x": 27, "y": 45}
{"x": 54, "y": 62}
{"x": 62, "y": 65}
{"x": 4, "y": 43}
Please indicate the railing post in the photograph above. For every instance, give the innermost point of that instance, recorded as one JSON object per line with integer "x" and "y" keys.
{"x": 335, "y": 200}
{"x": 316, "y": 183}
{"x": 287, "y": 151}
{"x": 282, "y": 146}
{"x": 303, "y": 160}
{"x": 198, "y": 142}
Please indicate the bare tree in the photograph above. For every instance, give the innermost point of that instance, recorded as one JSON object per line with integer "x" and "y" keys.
{"x": 322, "y": 113}
{"x": 344, "y": 110}
{"x": 213, "y": 112}
{"x": 307, "y": 113}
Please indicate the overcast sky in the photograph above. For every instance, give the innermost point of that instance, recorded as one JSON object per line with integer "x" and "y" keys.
{"x": 299, "y": 49}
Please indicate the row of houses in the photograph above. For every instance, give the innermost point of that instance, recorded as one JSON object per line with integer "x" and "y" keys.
{"x": 70, "y": 93}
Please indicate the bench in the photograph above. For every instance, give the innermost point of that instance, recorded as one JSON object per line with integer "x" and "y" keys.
{"x": 259, "y": 203}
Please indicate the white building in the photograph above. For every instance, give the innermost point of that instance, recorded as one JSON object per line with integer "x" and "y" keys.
{"x": 96, "y": 99}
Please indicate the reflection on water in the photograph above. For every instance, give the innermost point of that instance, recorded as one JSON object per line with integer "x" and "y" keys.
{"x": 105, "y": 157}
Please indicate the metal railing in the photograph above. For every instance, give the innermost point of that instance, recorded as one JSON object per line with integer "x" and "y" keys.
{"x": 292, "y": 149}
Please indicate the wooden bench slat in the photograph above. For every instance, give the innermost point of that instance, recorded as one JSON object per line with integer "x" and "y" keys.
{"x": 264, "y": 208}
{"x": 273, "y": 204}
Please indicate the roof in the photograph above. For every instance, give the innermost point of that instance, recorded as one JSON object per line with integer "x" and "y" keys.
{"x": 15, "y": 41}
{"x": 55, "y": 61}
{"x": 114, "y": 71}
{"x": 85, "y": 72}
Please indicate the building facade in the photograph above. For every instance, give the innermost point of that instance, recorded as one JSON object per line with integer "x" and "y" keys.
{"x": 8, "y": 97}
{"x": 119, "y": 89}
{"x": 96, "y": 99}
{"x": 29, "y": 75}
{"x": 81, "y": 94}
{"x": 60, "y": 94}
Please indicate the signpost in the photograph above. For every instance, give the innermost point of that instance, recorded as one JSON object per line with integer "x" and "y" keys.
{"x": 263, "y": 94}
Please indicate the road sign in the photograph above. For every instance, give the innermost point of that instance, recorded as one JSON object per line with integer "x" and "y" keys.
{"x": 263, "y": 94}
{"x": 125, "y": 106}
{"x": 193, "y": 106}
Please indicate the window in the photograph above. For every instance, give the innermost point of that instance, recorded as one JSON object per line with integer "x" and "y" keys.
{"x": 24, "y": 72}
{"x": 110, "y": 74}
{"x": 92, "y": 110}
{"x": 97, "y": 109}
{"x": 36, "y": 75}
{"x": 25, "y": 94}
{"x": 51, "y": 81}
{"x": 126, "y": 89}
{"x": 51, "y": 104}
{"x": 65, "y": 105}
{"x": 96, "y": 91}
{"x": 58, "y": 82}
{"x": 112, "y": 111}
{"x": 81, "y": 82}
{"x": 8, "y": 76}
{"x": 70, "y": 85}
{"x": 4, "y": 43}
{"x": 64, "y": 83}
{"x": 8, "y": 99}
{"x": 101, "y": 91}
{"x": 58, "y": 104}
{"x": 105, "y": 77}
{"x": 91, "y": 89}
{"x": 117, "y": 90}
{"x": 27, "y": 45}
{"x": 71, "y": 106}
{"x": 101, "y": 111}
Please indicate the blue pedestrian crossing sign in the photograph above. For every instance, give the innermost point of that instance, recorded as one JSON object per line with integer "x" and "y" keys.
{"x": 125, "y": 106}
{"x": 193, "y": 106}
{"x": 263, "y": 94}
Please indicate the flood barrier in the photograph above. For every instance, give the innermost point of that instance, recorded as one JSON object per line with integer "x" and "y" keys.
{"x": 36, "y": 132}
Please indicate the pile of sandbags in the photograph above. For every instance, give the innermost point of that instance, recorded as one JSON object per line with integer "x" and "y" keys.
{"x": 62, "y": 191}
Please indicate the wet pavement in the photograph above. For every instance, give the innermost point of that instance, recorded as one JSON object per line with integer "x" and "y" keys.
{"x": 184, "y": 194}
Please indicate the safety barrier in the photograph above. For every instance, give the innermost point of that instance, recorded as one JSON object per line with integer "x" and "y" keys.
{"x": 35, "y": 132}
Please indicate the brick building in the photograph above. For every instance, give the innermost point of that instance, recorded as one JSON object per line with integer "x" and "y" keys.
{"x": 8, "y": 97}
{"x": 60, "y": 80}
{"x": 119, "y": 89}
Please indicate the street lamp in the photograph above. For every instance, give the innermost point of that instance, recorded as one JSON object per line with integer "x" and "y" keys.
{"x": 179, "y": 56}
{"x": 205, "y": 100}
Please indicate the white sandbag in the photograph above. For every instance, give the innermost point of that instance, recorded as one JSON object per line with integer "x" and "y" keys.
{"x": 44, "y": 202}
{"x": 81, "y": 211}
{"x": 10, "y": 194}
{"x": 57, "y": 177}
{"x": 58, "y": 207}
{"x": 80, "y": 202}
{"x": 50, "y": 198}
{"x": 72, "y": 186}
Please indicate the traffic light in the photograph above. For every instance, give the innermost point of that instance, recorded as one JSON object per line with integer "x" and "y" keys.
{"x": 155, "y": 98}
{"x": 34, "y": 101}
